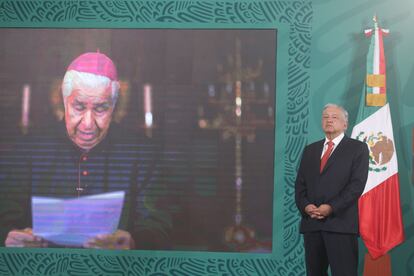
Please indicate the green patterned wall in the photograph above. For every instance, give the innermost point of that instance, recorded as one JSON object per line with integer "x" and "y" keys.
{"x": 338, "y": 58}
{"x": 292, "y": 19}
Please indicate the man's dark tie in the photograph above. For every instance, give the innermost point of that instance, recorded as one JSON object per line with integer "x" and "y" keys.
{"x": 326, "y": 155}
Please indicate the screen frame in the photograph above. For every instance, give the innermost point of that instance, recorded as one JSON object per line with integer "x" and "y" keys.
{"x": 293, "y": 52}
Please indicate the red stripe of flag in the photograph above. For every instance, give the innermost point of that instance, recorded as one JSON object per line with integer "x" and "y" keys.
{"x": 382, "y": 65}
{"x": 380, "y": 218}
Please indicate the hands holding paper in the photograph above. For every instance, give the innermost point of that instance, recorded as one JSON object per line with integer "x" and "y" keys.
{"x": 119, "y": 240}
{"x": 89, "y": 221}
{"x": 321, "y": 212}
{"x": 24, "y": 238}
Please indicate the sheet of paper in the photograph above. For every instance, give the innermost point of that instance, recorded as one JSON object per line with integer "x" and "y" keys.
{"x": 71, "y": 222}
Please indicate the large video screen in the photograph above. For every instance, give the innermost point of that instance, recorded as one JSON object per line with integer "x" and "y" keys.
{"x": 144, "y": 139}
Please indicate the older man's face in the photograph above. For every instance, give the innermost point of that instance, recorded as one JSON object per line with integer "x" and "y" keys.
{"x": 333, "y": 122}
{"x": 88, "y": 114}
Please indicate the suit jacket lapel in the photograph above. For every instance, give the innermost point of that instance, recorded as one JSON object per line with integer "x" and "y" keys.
{"x": 335, "y": 153}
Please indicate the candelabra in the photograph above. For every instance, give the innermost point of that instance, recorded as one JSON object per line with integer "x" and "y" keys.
{"x": 238, "y": 104}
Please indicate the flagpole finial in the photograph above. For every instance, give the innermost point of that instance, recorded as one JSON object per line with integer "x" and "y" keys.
{"x": 375, "y": 19}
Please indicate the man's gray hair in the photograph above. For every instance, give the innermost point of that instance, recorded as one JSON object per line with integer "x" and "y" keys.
{"x": 344, "y": 112}
{"x": 73, "y": 77}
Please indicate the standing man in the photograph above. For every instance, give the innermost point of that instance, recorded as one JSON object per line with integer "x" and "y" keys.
{"x": 331, "y": 178}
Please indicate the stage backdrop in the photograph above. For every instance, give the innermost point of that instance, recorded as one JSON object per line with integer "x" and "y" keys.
{"x": 320, "y": 58}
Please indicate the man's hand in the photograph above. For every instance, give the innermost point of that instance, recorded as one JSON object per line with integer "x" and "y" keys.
{"x": 321, "y": 212}
{"x": 310, "y": 209}
{"x": 24, "y": 238}
{"x": 119, "y": 240}
{"x": 324, "y": 210}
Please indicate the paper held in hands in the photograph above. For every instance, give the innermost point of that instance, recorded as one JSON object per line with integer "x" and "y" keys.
{"x": 71, "y": 222}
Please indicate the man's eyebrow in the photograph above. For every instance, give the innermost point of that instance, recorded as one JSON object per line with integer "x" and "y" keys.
{"x": 79, "y": 102}
{"x": 104, "y": 104}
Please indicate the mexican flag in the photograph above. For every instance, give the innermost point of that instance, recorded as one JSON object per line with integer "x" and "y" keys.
{"x": 380, "y": 220}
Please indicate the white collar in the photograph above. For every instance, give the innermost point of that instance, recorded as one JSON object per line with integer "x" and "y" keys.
{"x": 336, "y": 140}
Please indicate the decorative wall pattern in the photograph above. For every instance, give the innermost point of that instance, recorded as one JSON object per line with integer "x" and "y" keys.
{"x": 183, "y": 14}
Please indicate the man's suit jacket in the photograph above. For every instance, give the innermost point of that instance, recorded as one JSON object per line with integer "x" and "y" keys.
{"x": 340, "y": 184}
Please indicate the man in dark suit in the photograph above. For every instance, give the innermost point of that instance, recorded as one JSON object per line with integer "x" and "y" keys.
{"x": 88, "y": 155}
{"x": 331, "y": 178}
